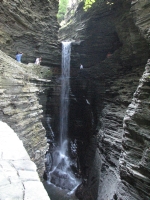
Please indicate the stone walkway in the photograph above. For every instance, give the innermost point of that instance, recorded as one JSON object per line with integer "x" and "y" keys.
{"x": 18, "y": 177}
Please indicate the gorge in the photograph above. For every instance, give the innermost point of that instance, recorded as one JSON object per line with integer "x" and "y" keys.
{"x": 109, "y": 107}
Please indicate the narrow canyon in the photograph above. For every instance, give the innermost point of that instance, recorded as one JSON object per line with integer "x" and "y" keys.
{"x": 106, "y": 107}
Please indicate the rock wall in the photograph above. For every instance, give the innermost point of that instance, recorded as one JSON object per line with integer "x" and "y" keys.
{"x": 135, "y": 156}
{"x": 30, "y": 27}
{"x": 111, "y": 167}
{"x": 101, "y": 134}
{"x": 108, "y": 83}
{"x": 105, "y": 29}
{"x": 140, "y": 13}
{"x": 20, "y": 108}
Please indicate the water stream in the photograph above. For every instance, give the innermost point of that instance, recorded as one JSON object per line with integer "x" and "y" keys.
{"x": 61, "y": 174}
{"x": 65, "y": 85}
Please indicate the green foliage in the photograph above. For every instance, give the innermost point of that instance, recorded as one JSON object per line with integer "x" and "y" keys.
{"x": 88, "y": 3}
{"x": 62, "y": 9}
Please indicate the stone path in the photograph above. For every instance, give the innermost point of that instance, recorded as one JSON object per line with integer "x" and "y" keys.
{"x": 18, "y": 177}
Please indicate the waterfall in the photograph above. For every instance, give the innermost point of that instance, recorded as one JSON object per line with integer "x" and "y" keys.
{"x": 61, "y": 174}
{"x": 65, "y": 84}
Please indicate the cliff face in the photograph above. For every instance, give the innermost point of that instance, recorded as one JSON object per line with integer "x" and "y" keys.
{"x": 113, "y": 155}
{"x": 20, "y": 107}
{"x": 113, "y": 160}
{"x": 30, "y": 27}
{"x": 108, "y": 29}
{"x": 135, "y": 156}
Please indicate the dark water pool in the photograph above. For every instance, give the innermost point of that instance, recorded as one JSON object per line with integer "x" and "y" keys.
{"x": 56, "y": 193}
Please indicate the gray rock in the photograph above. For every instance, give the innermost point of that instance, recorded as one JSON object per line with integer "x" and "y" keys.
{"x": 18, "y": 176}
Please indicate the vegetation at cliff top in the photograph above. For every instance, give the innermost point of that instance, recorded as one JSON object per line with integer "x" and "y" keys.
{"x": 62, "y": 9}
{"x": 88, "y": 3}
{"x": 63, "y": 4}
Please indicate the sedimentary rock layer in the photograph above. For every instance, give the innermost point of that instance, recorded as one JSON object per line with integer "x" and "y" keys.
{"x": 108, "y": 29}
{"x": 30, "y": 27}
{"x": 106, "y": 86}
{"x": 20, "y": 108}
{"x": 135, "y": 156}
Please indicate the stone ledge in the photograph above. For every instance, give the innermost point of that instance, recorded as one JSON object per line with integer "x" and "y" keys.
{"x": 18, "y": 176}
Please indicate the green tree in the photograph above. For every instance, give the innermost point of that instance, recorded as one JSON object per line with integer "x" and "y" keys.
{"x": 62, "y": 9}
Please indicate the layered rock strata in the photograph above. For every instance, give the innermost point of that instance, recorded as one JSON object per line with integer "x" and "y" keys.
{"x": 140, "y": 12}
{"x": 30, "y": 27}
{"x": 107, "y": 29}
{"x": 135, "y": 156}
{"x": 108, "y": 97}
{"x": 20, "y": 108}
{"x": 106, "y": 86}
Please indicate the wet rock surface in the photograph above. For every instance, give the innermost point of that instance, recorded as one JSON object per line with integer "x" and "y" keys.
{"x": 100, "y": 150}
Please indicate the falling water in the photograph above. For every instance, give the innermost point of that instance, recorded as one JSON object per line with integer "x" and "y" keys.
{"x": 61, "y": 174}
{"x": 65, "y": 84}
